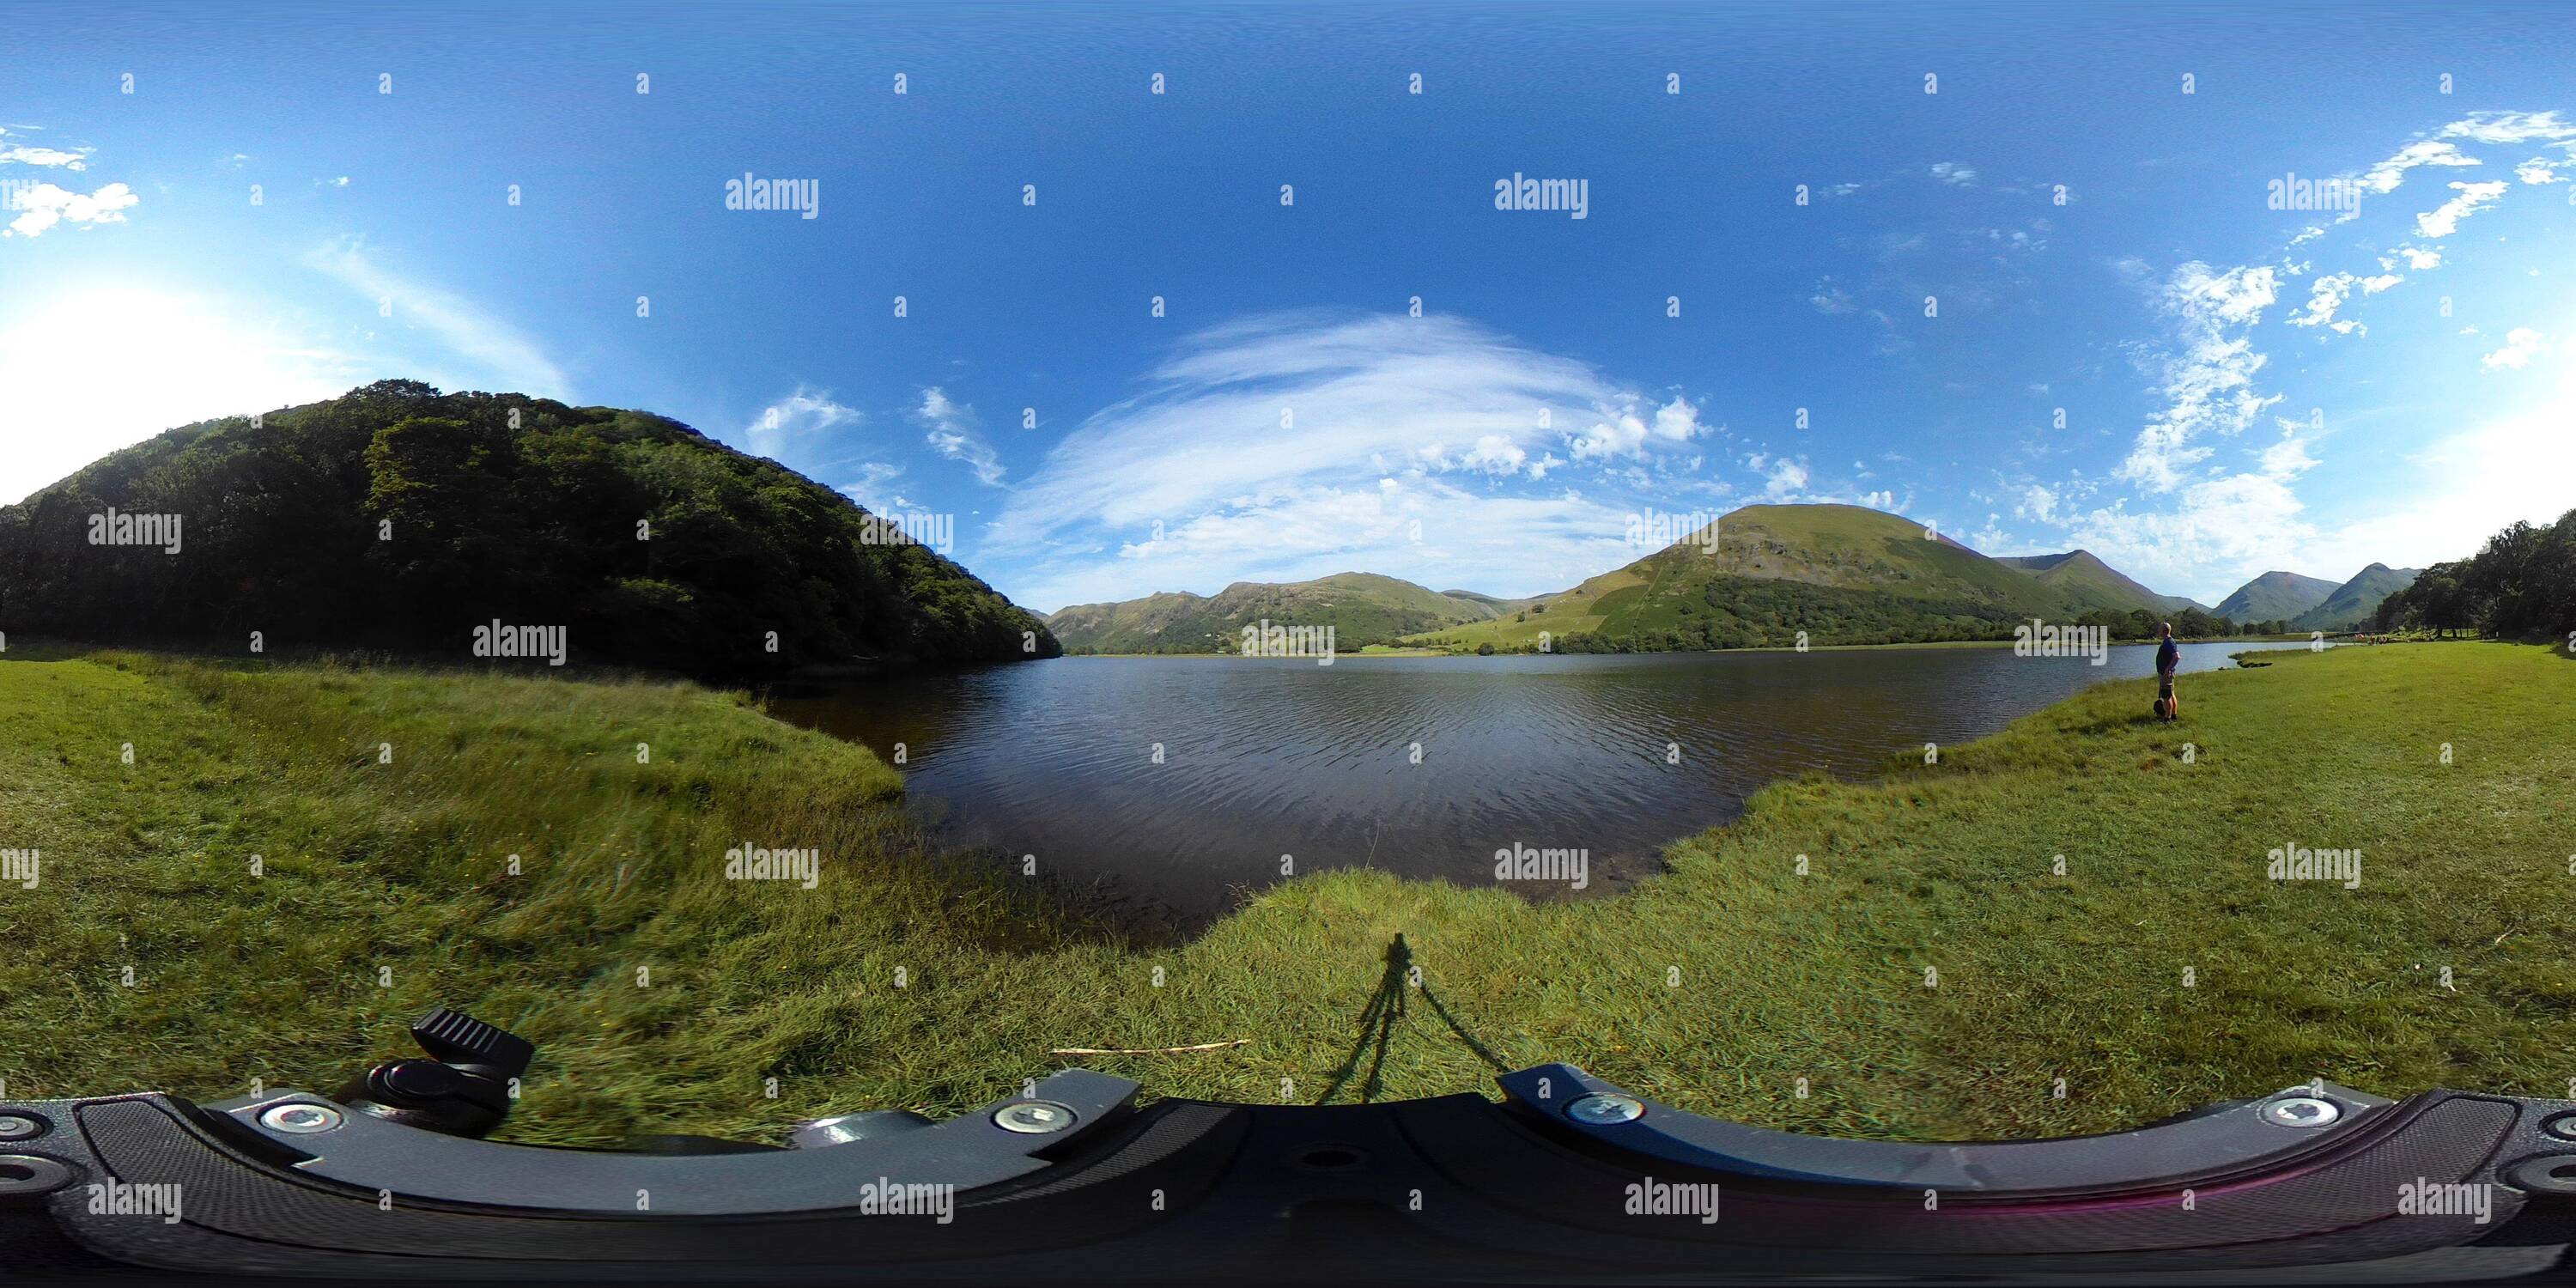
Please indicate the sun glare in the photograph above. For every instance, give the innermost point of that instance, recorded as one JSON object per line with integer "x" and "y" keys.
{"x": 110, "y": 366}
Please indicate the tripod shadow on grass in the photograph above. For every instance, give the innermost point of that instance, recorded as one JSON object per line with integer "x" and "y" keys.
{"x": 1386, "y": 1010}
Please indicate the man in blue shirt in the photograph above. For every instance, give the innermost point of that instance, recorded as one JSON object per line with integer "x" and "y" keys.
{"x": 2168, "y": 659}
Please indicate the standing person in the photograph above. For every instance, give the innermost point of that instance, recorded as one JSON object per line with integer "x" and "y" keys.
{"x": 2168, "y": 660}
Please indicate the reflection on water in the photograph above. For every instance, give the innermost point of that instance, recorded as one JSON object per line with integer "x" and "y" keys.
{"x": 1181, "y": 778}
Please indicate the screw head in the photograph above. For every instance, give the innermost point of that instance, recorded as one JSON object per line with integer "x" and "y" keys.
{"x": 19, "y": 1127}
{"x": 33, "y": 1174}
{"x": 2301, "y": 1111}
{"x": 300, "y": 1119}
{"x": 1034, "y": 1117}
{"x": 1603, "y": 1108}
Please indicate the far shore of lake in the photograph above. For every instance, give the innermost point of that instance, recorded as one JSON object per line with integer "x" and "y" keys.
{"x": 1388, "y": 650}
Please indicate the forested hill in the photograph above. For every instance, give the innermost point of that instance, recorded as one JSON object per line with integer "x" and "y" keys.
{"x": 398, "y": 517}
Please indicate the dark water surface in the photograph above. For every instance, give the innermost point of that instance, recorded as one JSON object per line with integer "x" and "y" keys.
{"x": 1262, "y": 758}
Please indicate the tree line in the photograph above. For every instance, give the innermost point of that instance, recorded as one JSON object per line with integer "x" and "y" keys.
{"x": 398, "y": 517}
{"x": 2522, "y": 584}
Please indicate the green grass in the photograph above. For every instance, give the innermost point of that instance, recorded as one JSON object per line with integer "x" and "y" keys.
{"x": 1780, "y": 976}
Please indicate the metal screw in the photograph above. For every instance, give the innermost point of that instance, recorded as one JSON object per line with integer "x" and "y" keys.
{"x": 1033, "y": 1117}
{"x": 32, "y": 1174}
{"x": 2301, "y": 1111}
{"x": 14, "y": 1127}
{"x": 1602, "y": 1108}
{"x": 300, "y": 1120}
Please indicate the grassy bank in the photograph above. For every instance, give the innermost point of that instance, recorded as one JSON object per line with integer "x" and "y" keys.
{"x": 386, "y": 889}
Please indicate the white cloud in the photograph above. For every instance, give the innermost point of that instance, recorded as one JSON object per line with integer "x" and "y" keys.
{"x": 2327, "y": 294}
{"x": 1496, "y": 454}
{"x": 2385, "y": 176}
{"x": 341, "y": 182}
{"x": 1787, "y": 479}
{"x": 498, "y": 351}
{"x": 1951, "y": 172}
{"x": 2510, "y": 127}
{"x": 2420, "y": 258}
{"x": 2521, "y": 344}
{"x": 2443, "y": 220}
{"x": 1262, "y": 433}
{"x": 867, "y": 490}
{"x": 1830, "y": 298}
{"x": 953, "y": 434}
{"x": 2207, "y": 378}
{"x": 784, "y": 430}
{"x": 803, "y": 411}
{"x": 2038, "y": 503}
{"x": 31, "y": 154}
{"x": 39, "y": 155}
{"x": 2538, "y": 170}
{"x": 2288, "y": 458}
{"x": 41, "y": 206}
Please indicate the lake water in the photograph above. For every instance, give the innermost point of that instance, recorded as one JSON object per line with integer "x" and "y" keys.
{"x": 1260, "y": 758}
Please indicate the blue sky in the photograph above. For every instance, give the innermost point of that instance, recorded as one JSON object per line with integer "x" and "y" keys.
{"x": 2126, "y": 347}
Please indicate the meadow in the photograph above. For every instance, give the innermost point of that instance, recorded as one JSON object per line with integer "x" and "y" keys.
{"x": 2066, "y": 927}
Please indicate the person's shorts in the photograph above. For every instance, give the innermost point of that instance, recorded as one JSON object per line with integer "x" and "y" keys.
{"x": 2164, "y": 686}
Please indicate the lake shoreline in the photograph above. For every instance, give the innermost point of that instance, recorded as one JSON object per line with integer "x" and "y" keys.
{"x": 1787, "y": 950}
{"x": 1379, "y": 650}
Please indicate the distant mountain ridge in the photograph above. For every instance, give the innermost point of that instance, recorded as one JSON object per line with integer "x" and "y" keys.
{"x": 2352, "y": 603}
{"x": 1362, "y": 608}
{"x": 1760, "y": 576}
{"x": 2280, "y": 596}
{"x": 2085, "y": 579}
{"x": 1834, "y": 573}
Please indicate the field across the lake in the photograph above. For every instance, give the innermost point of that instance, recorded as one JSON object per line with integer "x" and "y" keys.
{"x": 2071, "y": 926}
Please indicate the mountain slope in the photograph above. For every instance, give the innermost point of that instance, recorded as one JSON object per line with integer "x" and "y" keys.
{"x": 2282, "y": 595}
{"x": 1840, "y": 573}
{"x": 1362, "y": 608}
{"x": 397, "y": 517}
{"x": 2352, "y": 603}
{"x": 2084, "y": 579}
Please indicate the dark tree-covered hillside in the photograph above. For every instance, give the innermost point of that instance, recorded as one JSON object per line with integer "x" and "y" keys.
{"x": 2522, "y": 584}
{"x": 399, "y": 517}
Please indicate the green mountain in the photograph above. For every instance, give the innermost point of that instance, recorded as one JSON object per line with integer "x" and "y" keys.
{"x": 2086, "y": 580}
{"x": 1498, "y": 605}
{"x": 401, "y": 518}
{"x": 2281, "y": 595}
{"x": 1840, "y": 573}
{"x": 2353, "y": 602}
{"x": 1362, "y": 608}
